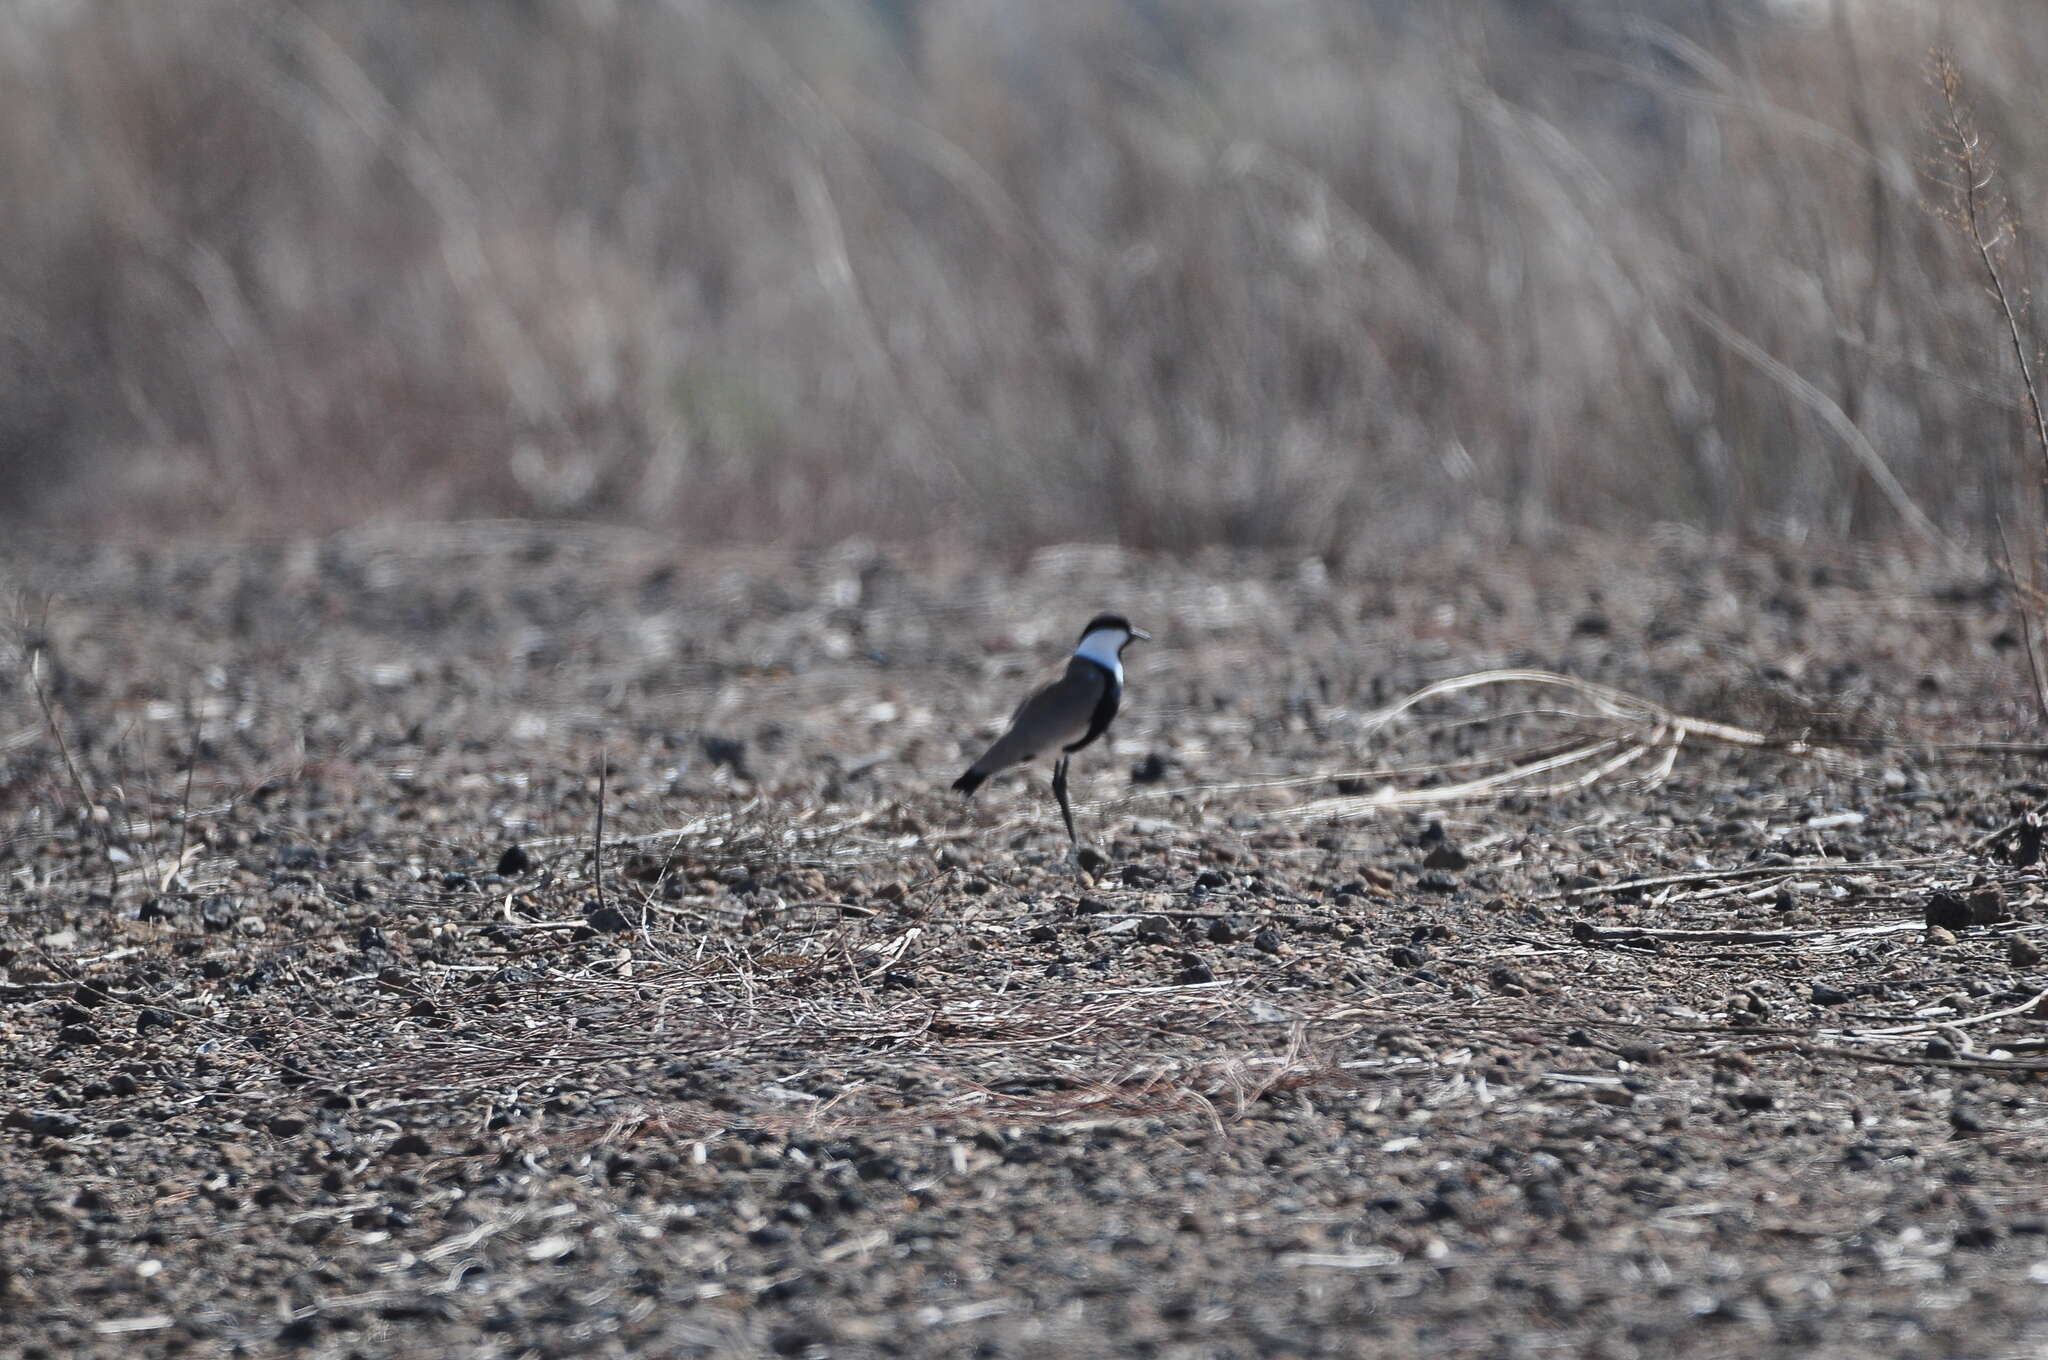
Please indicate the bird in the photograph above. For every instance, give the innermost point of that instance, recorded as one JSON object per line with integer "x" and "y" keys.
{"x": 1065, "y": 715}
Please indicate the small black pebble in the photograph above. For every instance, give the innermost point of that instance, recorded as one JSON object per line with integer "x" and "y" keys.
{"x": 300, "y": 1331}
{"x": 1948, "y": 911}
{"x": 515, "y": 860}
{"x": 798, "y": 1340}
{"x": 1150, "y": 770}
{"x": 298, "y": 858}
{"x": 1445, "y": 856}
{"x": 1824, "y": 995}
{"x": 880, "y": 1167}
{"x": 731, "y": 752}
{"x": 605, "y": 917}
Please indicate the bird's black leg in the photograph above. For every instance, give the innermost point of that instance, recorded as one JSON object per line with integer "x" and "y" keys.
{"x": 1059, "y": 791}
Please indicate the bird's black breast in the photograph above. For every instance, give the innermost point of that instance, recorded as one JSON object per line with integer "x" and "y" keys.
{"x": 1105, "y": 707}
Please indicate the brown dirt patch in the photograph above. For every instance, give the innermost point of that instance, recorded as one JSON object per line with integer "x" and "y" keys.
{"x": 298, "y": 1056}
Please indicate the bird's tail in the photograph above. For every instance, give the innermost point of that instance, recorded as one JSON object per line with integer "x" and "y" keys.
{"x": 969, "y": 782}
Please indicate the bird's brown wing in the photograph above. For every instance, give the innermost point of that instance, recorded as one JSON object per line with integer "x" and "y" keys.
{"x": 1051, "y": 718}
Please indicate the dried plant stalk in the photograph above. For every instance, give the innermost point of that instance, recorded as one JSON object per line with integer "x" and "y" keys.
{"x": 1980, "y": 211}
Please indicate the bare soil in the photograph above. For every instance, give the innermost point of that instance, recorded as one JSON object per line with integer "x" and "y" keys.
{"x": 301, "y": 1054}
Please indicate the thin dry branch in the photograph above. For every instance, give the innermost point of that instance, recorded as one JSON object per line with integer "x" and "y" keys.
{"x": 1636, "y": 730}
{"x": 1794, "y": 870}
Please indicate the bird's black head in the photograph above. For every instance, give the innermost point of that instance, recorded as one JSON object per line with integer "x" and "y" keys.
{"x": 1114, "y": 623}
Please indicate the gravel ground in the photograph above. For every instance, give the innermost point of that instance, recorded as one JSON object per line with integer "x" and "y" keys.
{"x": 326, "y": 1031}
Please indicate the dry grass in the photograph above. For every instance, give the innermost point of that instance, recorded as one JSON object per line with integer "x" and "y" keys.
{"x": 1977, "y": 207}
{"x": 1043, "y": 272}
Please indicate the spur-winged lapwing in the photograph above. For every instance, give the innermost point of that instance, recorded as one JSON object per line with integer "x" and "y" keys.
{"x": 1067, "y": 714}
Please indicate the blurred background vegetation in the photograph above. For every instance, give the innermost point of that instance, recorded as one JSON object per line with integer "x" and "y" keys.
{"x": 1315, "y": 273}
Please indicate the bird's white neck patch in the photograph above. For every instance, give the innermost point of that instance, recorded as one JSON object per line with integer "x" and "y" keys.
{"x": 1102, "y": 647}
